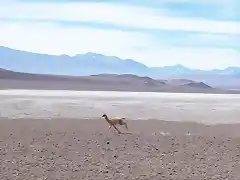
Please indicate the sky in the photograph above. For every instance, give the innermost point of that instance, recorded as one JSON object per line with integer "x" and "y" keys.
{"x": 200, "y": 34}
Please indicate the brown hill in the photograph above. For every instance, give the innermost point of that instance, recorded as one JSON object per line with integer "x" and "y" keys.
{"x": 197, "y": 85}
{"x": 101, "y": 82}
{"x": 187, "y": 82}
{"x": 179, "y": 82}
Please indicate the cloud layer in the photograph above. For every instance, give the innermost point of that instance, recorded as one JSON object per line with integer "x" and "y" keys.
{"x": 150, "y": 34}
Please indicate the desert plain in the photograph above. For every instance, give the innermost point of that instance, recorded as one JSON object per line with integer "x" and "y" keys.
{"x": 60, "y": 135}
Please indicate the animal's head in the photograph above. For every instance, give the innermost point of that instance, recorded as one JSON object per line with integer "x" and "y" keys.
{"x": 104, "y": 115}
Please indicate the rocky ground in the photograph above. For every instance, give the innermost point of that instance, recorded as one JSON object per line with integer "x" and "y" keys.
{"x": 86, "y": 149}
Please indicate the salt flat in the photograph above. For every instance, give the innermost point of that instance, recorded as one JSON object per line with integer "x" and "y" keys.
{"x": 203, "y": 108}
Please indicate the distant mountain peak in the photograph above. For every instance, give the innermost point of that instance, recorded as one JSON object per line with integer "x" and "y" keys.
{"x": 88, "y": 54}
{"x": 64, "y": 55}
{"x": 92, "y": 54}
{"x": 179, "y": 66}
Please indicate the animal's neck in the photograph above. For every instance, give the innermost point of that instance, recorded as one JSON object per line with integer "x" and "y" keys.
{"x": 107, "y": 119}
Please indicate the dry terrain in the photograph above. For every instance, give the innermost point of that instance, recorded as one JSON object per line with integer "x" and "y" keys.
{"x": 60, "y": 135}
{"x": 104, "y": 82}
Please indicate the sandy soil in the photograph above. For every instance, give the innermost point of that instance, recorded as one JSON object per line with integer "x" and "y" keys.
{"x": 77, "y": 144}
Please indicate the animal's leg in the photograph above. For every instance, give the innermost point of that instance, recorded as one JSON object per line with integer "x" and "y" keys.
{"x": 116, "y": 129}
{"x": 125, "y": 124}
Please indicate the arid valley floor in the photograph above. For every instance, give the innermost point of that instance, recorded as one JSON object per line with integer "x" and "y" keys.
{"x": 61, "y": 135}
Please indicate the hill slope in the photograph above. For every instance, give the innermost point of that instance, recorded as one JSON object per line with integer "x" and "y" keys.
{"x": 101, "y": 82}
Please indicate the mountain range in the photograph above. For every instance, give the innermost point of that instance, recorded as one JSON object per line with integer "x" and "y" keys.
{"x": 93, "y": 63}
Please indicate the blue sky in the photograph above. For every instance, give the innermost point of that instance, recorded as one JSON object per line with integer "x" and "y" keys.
{"x": 201, "y": 34}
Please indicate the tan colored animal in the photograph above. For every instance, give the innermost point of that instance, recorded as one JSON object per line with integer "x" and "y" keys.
{"x": 115, "y": 121}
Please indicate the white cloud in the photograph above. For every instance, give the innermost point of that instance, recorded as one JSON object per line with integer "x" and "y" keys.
{"x": 114, "y": 14}
{"x": 54, "y": 39}
{"x": 196, "y": 1}
{"x": 214, "y": 40}
{"x": 199, "y": 58}
{"x": 215, "y": 2}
